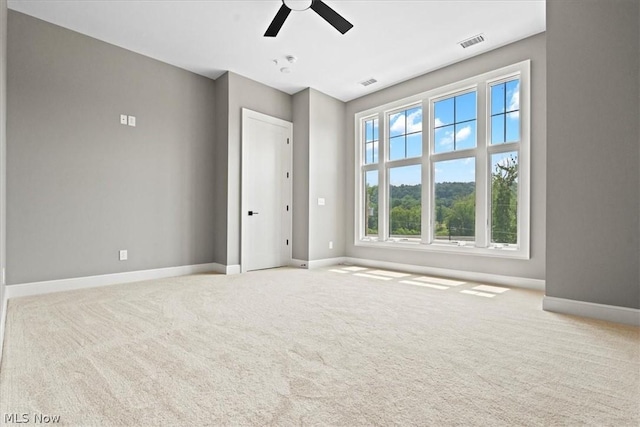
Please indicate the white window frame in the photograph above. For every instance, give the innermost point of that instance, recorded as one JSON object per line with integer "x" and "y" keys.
{"x": 482, "y": 153}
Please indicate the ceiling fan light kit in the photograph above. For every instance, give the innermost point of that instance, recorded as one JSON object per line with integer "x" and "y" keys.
{"x": 318, "y": 6}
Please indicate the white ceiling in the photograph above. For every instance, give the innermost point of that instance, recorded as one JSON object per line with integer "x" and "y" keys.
{"x": 392, "y": 40}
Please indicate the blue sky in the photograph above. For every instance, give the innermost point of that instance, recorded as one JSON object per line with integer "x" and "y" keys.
{"x": 455, "y": 126}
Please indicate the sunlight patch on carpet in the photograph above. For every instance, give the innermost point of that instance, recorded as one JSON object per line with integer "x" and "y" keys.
{"x": 426, "y": 285}
{"x": 386, "y": 273}
{"x": 479, "y": 294}
{"x": 439, "y": 281}
{"x": 371, "y": 276}
{"x": 492, "y": 289}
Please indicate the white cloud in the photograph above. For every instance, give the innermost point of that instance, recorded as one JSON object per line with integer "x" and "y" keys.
{"x": 437, "y": 122}
{"x": 514, "y": 100}
{"x": 414, "y": 122}
{"x": 445, "y": 140}
{"x": 463, "y": 133}
{"x": 397, "y": 123}
{"x": 515, "y": 115}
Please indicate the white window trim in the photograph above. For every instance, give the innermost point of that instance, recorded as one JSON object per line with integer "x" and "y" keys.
{"x": 482, "y": 152}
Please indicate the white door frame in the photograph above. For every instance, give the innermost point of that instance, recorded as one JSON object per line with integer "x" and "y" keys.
{"x": 288, "y": 190}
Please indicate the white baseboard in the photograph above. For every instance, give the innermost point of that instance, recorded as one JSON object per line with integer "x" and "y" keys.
{"x": 318, "y": 263}
{"x": 37, "y": 288}
{"x": 300, "y": 263}
{"x": 611, "y": 313}
{"x": 3, "y": 322}
{"x": 232, "y": 269}
{"x": 518, "y": 282}
{"x": 227, "y": 269}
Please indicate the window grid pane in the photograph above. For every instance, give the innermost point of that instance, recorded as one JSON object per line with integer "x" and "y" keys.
{"x": 371, "y": 203}
{"x": 505, "y": 112}
{"x": 405, "y": 134}
{"x": 504, "y": 198}
{"x": 371, "y": 141}
{"x": 405, "y": 201}
{"x": 455, "y": 200}
{"x": 455, "y": 121}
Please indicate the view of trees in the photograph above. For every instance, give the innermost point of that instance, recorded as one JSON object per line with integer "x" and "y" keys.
{"x": 406, "y": 210}
{"x": 504, "y": 193}
{"x": 455, "y": 207}
{"x": 372, "y": 209}
{"x": 455, "y": 210}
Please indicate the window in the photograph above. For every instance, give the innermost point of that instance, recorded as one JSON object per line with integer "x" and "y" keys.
{"x": 371, "y": 205}
{"x": 455, "y": 181}
{"x": 371, "y": 141}
{"x": 405, "y": 206}
{"x": 505, "y": 112}
{"x": 455, "y": 123}
{"x": 405, "y": 134}
{"x": 455, "y": 200}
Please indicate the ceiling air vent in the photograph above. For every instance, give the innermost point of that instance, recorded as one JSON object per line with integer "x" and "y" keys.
{"x": 473, "y": 40}
{"x": 368, "y": 82}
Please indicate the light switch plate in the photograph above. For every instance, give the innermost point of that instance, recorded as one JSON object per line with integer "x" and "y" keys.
{"x": 123, "y": 119}
{"x": 132, "y": 121}
{"x": 321, "y": 201}
{"x": 124, "y": 255}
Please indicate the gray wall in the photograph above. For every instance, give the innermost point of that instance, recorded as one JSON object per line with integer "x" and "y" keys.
{"x": 593, "y": 151}
{"x": 301, "y": 122}
{"x": 246, "y": 93}
{"x": 319, "y": 172}
{"x": 326, "y": 176}
{"x": 80, "y": 186}
{"x": 221, "y": 167}
{"x": 533, "y": 48}
{"x": 3, "y": 148}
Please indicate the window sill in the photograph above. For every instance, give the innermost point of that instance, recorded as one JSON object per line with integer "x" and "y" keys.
{"x": 467, "y": 249}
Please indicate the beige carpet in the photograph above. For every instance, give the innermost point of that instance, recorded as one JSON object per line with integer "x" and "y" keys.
{"x": 335, "y": 346}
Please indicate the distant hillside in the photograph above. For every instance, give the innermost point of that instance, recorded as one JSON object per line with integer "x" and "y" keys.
{"x": 449, "y": 192}
{"x": 446, "y": 192}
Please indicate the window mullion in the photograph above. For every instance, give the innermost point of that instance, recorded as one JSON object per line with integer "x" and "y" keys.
{"x": 383, "y": 199}
{"x": 483, "y": 204}
{"x": 427, "y": 214}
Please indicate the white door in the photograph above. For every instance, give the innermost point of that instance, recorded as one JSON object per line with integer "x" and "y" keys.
{"x": 266, "y": 191}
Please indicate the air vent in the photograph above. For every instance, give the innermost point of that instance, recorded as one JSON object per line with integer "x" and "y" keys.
{"x": 368, "y": 82}
{"x": 473, "y": 40}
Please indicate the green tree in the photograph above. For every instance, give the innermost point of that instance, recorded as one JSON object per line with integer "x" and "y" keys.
{"x": 372, "y": 209}
{"x": 504, "y": 207}
{"x": 405, "y": 214}
{"x": 461, "y": 218}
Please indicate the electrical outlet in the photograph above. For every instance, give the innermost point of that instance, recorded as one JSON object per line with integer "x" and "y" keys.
{"x": 124, "y": 255}
{"x": 123, "y": 119}
{"x": 330, "y": 245}
{"x": 132, "y": 121}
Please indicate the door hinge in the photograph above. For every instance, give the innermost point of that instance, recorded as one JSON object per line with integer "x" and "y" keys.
{"x": 287, "y": 140}
{"x": 287, "y": 208}
{"x": 287, "y": 174}
{"x": 287, "y": 242}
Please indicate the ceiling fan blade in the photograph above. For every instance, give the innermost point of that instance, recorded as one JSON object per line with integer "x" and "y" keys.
{"x": 331, "y": 16}
{"x": 278, "y": 21}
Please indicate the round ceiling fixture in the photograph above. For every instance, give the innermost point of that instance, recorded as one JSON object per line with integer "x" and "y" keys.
{"x": 298, "y": 5}
{"x": 285, "y": 70}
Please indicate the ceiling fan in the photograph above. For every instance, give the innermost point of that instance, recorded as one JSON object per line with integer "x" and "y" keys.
{"x": 318, "y": 6}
